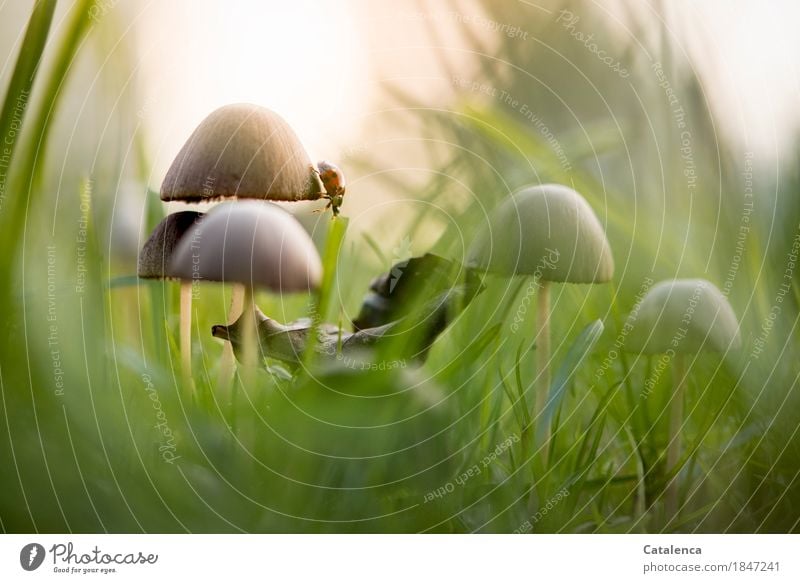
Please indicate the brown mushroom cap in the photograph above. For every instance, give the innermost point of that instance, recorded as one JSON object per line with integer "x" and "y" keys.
{"x": 159, "y": 247}
{"x": 252, "y": 243}
{"x": 246, "y": 151}
{"x": 684, "y": 315}
{"x": 549, "y": 231}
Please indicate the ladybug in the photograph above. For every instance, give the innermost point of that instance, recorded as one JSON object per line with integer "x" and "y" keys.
{"x": 333, "y": 180}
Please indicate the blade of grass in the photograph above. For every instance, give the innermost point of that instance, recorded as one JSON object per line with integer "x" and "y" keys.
{"x": 640, "y": 495}
{"x": 330, "y": 259}
{"x": 14, "y": 110}
{"x": 520, "y": 417}
{"x": 25, "y": 70}
{"x": 597, "y": 420}
{"x": 471, "y": 352}
{"x": 575, "y": 356}
{"x": 154, "y": 212}
{"x": 373, "y": 244}
{"x": 25, "y": 174}
{"x": 521, "y": 390}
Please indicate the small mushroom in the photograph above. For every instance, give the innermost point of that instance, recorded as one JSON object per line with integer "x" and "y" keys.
{"x": 154, "y": 260}
{"x": 252, "y": 244}
{"x": 157, "y": 251}
{"x": 549, "y": 232}
{"x": 676, "y": 318}
{"x": 243, "y": 151}
{"x": 248, "y": 151}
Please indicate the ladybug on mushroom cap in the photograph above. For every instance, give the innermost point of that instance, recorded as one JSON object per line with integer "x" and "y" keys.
{"x": 333, "y": 180}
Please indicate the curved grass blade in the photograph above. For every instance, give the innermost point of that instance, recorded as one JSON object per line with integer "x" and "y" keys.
{"x": 26, "y": 171}
{"x": 472, "y": 352}
{"x": 15, "y": 104}
{"x": 575, "y": 356}
{"x": 19, "y": 88}
{"x": 330, "y": 257}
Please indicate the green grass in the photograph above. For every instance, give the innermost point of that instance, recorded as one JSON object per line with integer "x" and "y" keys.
{"x": 99, "y": 434}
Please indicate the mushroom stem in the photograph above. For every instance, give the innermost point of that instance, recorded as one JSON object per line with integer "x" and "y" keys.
{"x": 675, "y": 423}
{"x": 542, "y": 353}
{"x": 228, "y": 358}
{"x": 186, "y": 332}
{"x": 250, "y": 335}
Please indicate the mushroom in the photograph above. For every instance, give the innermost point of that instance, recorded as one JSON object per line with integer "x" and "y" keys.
{"x": 676, "y": 318}
{"x": 549, "y": 232}
{"x": 253, "y": 244}
{"x": 154, "y": 261}
{"x": 248, "y": 151}
{"x": 243, "y": 151}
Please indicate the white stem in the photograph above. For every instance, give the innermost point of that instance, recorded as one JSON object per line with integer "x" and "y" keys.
{"x": 249, "y": 339}
{"x": 675, "y": 423}
{"x": 248, "y": 330}
{"x": 542, "y": 355}
{"x": 228, "y": 359}
{"x": 186, "y": 332}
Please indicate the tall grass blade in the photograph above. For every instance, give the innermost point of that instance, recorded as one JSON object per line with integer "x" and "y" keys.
{"x": 575, "y": 356}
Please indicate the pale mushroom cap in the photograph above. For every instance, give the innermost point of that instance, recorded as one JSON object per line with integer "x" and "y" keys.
{"x": 156, "y": 252}
{"x": 549, "y": 231}
{"x": 249, "y": 242}
{"x": 246, "y": 151}
{"x": 683, "y": 315}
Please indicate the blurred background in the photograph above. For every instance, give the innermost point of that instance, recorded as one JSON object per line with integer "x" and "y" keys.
{"x": 677, "y": 121}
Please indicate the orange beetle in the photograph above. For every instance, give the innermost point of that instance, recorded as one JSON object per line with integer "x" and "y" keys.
{"x": 333, "y": 180}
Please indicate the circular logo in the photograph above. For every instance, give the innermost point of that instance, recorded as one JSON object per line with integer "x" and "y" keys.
{"x": 31, "y": 556}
